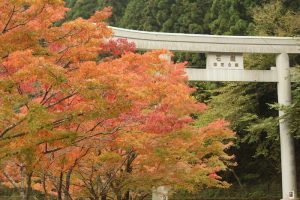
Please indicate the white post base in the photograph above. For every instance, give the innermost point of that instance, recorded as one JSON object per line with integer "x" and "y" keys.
{"x": 291, "y": 199}
{"x": 160, "y": 193}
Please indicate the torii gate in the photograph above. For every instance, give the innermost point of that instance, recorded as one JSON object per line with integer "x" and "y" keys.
{"x": 225, "y": 63}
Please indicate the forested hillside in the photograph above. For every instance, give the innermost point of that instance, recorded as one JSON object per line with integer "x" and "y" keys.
{"x": 247, "y": 106}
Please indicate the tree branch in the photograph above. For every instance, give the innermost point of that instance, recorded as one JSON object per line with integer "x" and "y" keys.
{"x": 61, "y": 100}
{"x": 10, "y": 127}
{"x": 79, "y": 140}
{"x": 46, "y": 93}
{"x": 9, "y": 19}
{"x": 11, "y": 180}
{"x": 26, "y": 21}
{"x": 100, "y": 133}
{"x": 115, "y": 172}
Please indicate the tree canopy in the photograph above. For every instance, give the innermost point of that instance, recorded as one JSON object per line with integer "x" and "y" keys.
{"x": 84, "y": 116}
{"x": 254, "y": 120}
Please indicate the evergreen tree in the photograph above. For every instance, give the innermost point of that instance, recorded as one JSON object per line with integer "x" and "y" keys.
{"x": 293, "y": 112}
{"x": 85, "y": 8}
{"x": 230, "y": 17}
{"x": 275, "y": 19}
{"x": 82, "y": 8}
{"x": 167, "y": 15}
{"x": 247, "y": 104}
{"x": 133, "y": 15}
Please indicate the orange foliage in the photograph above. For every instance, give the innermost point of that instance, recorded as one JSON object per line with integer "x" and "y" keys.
{"x": 112, "y": 123}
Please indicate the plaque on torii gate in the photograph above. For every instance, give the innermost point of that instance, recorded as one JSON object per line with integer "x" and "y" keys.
{"x": 225, "y": 63}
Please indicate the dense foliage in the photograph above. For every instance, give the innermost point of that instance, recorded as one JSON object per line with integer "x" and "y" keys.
{"x": 86, "y": 8}
{"x": 245, "y": 105}
{"x": 82, "y": 116}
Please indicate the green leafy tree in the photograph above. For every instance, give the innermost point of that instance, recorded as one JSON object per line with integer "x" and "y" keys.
{"x": 293, "y": 112}
{"x": 85, "y": 8}
{"x": 230, "y": 17}
{"x": 167, "y": 15}
{"x": 274, "y": 19}
{"x": 247, "y": 104}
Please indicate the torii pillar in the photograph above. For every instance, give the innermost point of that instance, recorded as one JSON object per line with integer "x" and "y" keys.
{"x": 288, "y": 164}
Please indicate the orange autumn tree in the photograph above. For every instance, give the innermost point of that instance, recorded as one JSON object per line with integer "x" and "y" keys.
{"x": 74, "y": 123}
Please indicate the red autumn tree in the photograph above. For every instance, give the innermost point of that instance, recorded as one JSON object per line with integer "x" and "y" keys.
{"x": 73, "y": 124}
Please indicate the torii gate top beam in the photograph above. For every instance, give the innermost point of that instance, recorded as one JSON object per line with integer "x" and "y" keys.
{"x": 209, "y": 43}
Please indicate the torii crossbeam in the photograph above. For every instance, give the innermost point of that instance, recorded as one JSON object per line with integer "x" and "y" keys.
{"x": 225, "y": 63}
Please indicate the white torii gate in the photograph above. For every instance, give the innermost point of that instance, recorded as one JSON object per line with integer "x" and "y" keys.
{"x": 225, "y": 63}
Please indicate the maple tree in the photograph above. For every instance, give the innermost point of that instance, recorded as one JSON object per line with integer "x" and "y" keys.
{"x": 75, "y": 123}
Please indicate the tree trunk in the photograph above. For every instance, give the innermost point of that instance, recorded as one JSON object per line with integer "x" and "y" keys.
{"x": 127, "y": 195}
{"x": 22, "y": 189}
{"x": 103, "y": 196}
{"x": 68, "y": 182}
{"x": 131, "y": 157}
{"x": 143, "y": 196}
{"x": 237, "y": 178}
{"x": 28, "y": 186}
{"x": 44, "y": 186}
{"x": 119, "y": 196}
{"x": 59, "y": 188}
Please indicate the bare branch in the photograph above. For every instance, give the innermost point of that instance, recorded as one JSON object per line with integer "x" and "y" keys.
{"x": 46, "y": 93}
{"x": 47, "y": 99}
{"x": 100, "y": 133}
{"x": 10, "y": 127}
{"x": 79, "y": 140}
{"x": 11, "y": 180}
{"x": 63, "y": 99}
{"x": 115, "y": 173}
{"x": 9, "y": 19}
{"x": 26, "y": 21}
{"x": 96, "y": 125}
{"x": 14, "y": 136}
